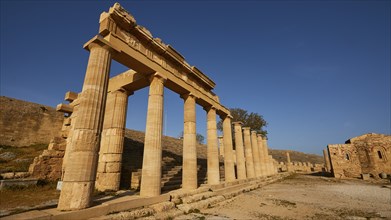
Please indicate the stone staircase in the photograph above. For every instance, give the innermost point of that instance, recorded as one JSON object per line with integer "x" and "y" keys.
{"x": 183, "y": 202}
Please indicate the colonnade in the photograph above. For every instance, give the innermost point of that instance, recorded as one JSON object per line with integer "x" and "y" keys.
{"x": 94, "y": 153}
{"x": 252, "y": 157}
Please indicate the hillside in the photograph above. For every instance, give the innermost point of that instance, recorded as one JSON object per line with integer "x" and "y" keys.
{"x": 25, "y": 123}
{"x": 280, "y": 156}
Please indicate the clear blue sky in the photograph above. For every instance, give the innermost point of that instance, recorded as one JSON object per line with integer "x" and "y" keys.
{"x": 318, "y": 71}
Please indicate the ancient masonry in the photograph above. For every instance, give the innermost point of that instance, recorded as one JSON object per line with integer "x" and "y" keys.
{"x": 365, "y": 154}
{"x": 96, "y": 122}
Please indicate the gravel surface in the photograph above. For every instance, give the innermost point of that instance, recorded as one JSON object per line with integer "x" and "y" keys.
{"x": 307, "y": 197}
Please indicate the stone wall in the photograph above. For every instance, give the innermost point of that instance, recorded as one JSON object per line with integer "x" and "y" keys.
{"x": 24, "y": 123}
{"x": 369, "y": 153}
{"x": 345, "y": 162}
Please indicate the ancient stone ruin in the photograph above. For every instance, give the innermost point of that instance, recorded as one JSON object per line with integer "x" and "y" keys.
{"x": 95, "y": 122}
{"x": 365, "y": 154}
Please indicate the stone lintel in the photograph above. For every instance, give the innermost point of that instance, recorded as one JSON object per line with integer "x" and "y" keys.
{"x": 102, "y": 42}
{"x": 64, "y": 108}
{"x": 70, "y": 96}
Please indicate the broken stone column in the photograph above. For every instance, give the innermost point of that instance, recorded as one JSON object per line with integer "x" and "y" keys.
{"x": 257, "y": 162}
{"x": 80, "y": 171}
{"x": 262, "y": 157}
{"x": 240, "y": 160}
{"x": 248, "y": 153}
{"x": 212, "y": 151}
{"x": 189, "y": 176}
{"x": 288, "y": 164}
{"x": 326, "y": 160}
{"x": 152, "y": 161}
{"x": 229, "y": 167}
{"x": 112, "y": 142}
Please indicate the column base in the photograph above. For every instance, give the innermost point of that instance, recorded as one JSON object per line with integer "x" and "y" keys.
{"x": 75, "y": 196}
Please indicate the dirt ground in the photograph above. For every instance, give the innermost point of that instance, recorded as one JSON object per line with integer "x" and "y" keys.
{"x": 306, "y": 197}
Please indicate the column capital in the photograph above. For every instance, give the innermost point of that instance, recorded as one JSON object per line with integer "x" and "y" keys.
{"x": 187, "y": 95}
{"x": 123, "y": 90}
{"x": 252, "y": 132}
{"x": 208, "y": 108}
{"x": 237, "y": 123}
{"x": 99, "y": 41}
{"x": 259, "y": 136}
{"x": 159, "y": 76}
{"x": 246, "y": 128}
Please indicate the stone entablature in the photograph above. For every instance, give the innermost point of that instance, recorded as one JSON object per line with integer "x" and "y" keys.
{"x": 149, "y": 55}
{"x": 368, "y": 153}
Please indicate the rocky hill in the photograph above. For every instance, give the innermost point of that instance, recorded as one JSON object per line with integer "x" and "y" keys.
{"x": 280, "y": 156}
{"x": 25, "y": 123}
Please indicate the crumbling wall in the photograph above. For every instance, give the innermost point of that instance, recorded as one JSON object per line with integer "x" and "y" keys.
{"x": 369, "y": 153}
{"x": 24, "y": 123}
{"x": 344, "y": 160}
{"x": 374, "y": 152}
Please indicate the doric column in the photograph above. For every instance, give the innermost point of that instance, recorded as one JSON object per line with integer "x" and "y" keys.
{"x": 80, "y": 171}
{"x": 213, "y": 150}
{"x": 266, "y": 153}
{"x": 248, "y": 153}
{"x": 189, "y": 176}
{"x": 221, "y": 145}
{"x": 326, "y": 160}
{"x": 257, "y": 162}
{"x": 240, "y": 161}
{"x": 262, "y": 157}
{"x": 152, "y": 161}
{"x": 112, "y": 141}
{"x": 229, "y": 167}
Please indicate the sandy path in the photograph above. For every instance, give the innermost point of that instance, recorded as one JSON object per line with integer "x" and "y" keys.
{"x": 306, "y": 197}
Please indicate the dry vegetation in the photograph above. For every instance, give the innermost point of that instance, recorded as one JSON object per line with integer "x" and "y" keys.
{"x": 18, "y": 159}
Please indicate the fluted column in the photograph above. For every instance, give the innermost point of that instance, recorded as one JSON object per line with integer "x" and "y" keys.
{"x": 262, "y": 157}
{"x": 189, "y": 176}
{"x": 112, "y": 141}
{"x": 248, "y": 153}
{"x": 257, "y": 162}
{"x": 229, "y": 167}
{"x": 240, "y": 160}
{"x": 221, "y": 145}
{"x": 213, "y": 151}
{"x": 80, "y": 171}
{"x": 266, "y": 153}
{"x": 326, "y": 160}
{"x": 152, "y": 161}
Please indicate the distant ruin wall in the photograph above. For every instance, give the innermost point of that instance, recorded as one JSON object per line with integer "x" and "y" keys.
{"x": 24, "y": 123}
{"x": 369, "y": 153}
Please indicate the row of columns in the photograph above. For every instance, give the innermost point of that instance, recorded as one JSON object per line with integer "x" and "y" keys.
{"x": 252, "y": 157}
{"x": 100, "y": 127}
